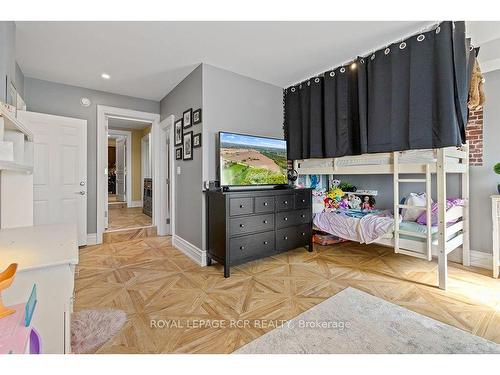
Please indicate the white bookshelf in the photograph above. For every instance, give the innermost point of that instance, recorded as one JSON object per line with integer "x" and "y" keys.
{"x": 16, "y": 171}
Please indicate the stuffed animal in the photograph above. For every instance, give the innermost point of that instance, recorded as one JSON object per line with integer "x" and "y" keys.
{"x": 348, "y": 187}
{"x": 334, "y": 184}
{"x": 355, "y": 202}
{"x": 368, "y": 203}
{"x": 344, "y": 202}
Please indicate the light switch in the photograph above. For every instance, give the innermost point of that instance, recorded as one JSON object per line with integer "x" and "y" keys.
{"x": 178, "y": 170}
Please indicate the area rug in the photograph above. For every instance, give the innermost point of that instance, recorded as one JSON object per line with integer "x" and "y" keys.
{"x": 356, "y": 322}
{"x": 90, "y": 329}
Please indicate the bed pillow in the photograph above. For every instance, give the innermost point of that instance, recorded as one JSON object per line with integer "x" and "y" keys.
{"x": 451, "y": 205}
{"x": 417, "y": 200}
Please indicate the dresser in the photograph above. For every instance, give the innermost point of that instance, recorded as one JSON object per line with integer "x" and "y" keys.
{"x": 248, "y": 225}
{"x": 495, "y": 209}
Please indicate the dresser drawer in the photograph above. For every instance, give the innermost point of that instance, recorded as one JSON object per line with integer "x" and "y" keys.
{"x": 249, "y": 224}
{"x": 251, "y": 247}
{"x": 292, "y": 237}
{"x": 290, "y": 218}
{"x": 264, "y": 204}
{"x": 240, "y": 206}
{"x": 284, "y": 202}
{"x": 303, "y": 199}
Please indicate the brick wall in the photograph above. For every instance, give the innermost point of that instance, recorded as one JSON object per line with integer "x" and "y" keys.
{"x": 474, "y": 134}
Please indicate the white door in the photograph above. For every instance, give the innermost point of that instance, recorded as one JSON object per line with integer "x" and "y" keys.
{"x": 120, "y": 170}
{"x": 59, "y": 171}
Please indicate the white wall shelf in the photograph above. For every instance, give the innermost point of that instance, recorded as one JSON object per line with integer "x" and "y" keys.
{"x": 12, "y": 123}
{"x": 15, "y": 167}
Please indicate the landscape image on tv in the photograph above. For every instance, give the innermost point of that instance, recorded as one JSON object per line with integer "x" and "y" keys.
{"x": 249, "y": 160}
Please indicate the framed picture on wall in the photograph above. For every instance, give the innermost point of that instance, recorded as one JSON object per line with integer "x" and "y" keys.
{"x": 197, "y": 140}
{"x": 187, "y": 117}
{"x": 197, "y": 116}
{"x": 178, "y": 153}
{"x": 178, "y": 132}
{"x": 188, "y": 146}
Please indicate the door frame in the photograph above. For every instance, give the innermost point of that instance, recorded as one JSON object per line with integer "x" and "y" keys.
{"x": 158, "y": 150}
{"x": 128, "y": 162}
{"x": 103, "y": 113}
{"x": 145, "y": 153}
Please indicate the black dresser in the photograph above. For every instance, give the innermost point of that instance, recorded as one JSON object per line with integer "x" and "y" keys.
{"x": 248, "y": 225}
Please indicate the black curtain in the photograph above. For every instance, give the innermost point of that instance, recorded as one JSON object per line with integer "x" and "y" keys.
{"x": 410, "y": 95}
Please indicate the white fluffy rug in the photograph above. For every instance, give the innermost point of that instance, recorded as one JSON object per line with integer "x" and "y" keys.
{"x": 356, "y": 322}
{"x": 90, "y": 329}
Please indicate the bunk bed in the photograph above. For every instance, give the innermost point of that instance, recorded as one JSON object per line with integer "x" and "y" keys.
{"x": 439, "y": 162}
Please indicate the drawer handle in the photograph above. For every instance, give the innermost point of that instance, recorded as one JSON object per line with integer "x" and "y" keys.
{"x": 285, "y": 218}
{"x": 285, "y": 238}
{"x": 241, "y": 206}
{"x": 266, "y": 204}
{"x": 302, "y": 216}
{"x": 242, "y": 225}
{"x": 265, "y": 242}
{"x": 242, "y": 247}
{"x": 265, "y": 221}
{"x": 303, "y": 233}
{"x": 285, "y": 202}
{"x": 303, "y": 201}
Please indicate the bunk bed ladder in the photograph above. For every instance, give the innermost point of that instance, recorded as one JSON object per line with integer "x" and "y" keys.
{"x": 428, "y": 208}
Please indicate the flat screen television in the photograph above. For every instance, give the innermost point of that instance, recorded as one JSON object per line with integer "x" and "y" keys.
{"x": 248, "y": 160}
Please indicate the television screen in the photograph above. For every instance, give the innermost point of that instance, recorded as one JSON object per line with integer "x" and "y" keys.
{"x": 249, "y": 160}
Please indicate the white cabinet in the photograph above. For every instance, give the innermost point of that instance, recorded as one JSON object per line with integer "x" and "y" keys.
{"x": 495, "y": 209}
{"x": 46, "y": 256}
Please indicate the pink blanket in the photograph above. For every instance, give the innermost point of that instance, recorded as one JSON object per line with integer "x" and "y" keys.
{"x": 366, "y": 229}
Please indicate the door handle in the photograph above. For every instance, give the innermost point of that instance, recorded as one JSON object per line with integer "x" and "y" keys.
{"x": 82, "y": 192}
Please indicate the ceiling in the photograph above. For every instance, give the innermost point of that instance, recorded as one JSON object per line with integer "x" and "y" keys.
{"x": 148, "y": 59}
{"x": 123, "y": 124}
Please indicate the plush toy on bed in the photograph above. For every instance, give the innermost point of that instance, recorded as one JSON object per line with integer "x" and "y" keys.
{"x": 344, "y": 203}
{"x": 354, "y": 202}
{"x": 368, "y": 203}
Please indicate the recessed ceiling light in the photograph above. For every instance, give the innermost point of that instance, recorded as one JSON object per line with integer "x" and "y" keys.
{"x": 105, "y": 76}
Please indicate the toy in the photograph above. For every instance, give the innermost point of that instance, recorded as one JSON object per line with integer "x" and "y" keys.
{"x": 6, "y": 279}
{"x": 344, "y": 203}
{"x": 368, "y": 203}
{"x": 334, "y": 184}
{"x": 354, "y": 202}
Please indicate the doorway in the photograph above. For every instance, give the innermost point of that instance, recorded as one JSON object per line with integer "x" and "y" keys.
{"x": 125, "y": 199}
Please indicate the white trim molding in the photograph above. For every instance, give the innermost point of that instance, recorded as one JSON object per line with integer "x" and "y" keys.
{"x": 128, "y": 167}
{"x": 91, "y": 239}
{"x": 103, "y": 113}
{"x": 481, "y": 260}
{"x": 195, "y": 253}
{"x": 135, "y": 204}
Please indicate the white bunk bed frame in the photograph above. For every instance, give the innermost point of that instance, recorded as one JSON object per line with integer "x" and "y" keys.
{"x": 449, "y": 160}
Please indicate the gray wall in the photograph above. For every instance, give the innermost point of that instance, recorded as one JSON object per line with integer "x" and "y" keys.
{"x": 19, "y": 80}
{"x": 63, "y": 100}
{"x": 483, "y": 181}
{"x": 188, "y": 185}
{"x": 235, "y": 103}
{"x": 7, "y": 55}
{"x": 239, "y": 104}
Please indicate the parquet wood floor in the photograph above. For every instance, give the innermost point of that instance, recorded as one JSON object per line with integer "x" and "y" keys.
{"x": 124, "y": 218}
{"x": 151, "y": 280}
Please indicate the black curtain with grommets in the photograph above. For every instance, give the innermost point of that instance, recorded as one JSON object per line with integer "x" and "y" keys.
{"x": 409, "y": 95}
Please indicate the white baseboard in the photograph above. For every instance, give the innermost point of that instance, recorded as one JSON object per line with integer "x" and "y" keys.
{"x": 198, "y": 255}
{"x": 92, "y": 239}
{"x": 480, "y": 259}
{"x": 135, "y": 204}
